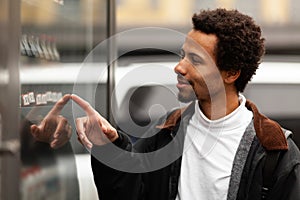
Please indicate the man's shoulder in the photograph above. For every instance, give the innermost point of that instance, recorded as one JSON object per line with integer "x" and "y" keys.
{"x": 269, "y": 132}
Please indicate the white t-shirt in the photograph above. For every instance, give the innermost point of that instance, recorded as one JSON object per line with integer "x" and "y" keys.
{"x": 209, "y": 150}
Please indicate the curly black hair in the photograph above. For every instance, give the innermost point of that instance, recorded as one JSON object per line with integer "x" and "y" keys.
{"x": 240, "y": 45}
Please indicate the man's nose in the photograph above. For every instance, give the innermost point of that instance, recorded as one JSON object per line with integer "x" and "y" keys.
{"x": 181, "y": 67}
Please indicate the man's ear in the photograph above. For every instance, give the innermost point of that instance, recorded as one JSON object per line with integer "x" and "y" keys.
{"x": 231, "y": 76}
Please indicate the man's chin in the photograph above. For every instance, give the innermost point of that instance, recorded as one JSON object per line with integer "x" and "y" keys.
{"x": 186, "y": 99}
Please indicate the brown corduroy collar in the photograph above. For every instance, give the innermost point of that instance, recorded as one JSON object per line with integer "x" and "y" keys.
{"x": 268, "y": 131}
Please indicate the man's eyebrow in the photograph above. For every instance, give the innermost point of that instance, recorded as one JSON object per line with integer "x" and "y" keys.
{"x": 199, "y": 55}
{"x": 196, "y": 55}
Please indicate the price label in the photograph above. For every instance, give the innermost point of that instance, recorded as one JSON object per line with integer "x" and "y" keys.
{"x": 49, "y": 96}
{"x": 26, "y": 101}
{"x": 54, "y": 97}
{"x": 44, "y": 98}
{"x": 38, "y": 99}
{"x": 31, "y": 97}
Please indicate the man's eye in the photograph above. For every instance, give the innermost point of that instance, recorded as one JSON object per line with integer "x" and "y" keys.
{"x": 181, "y": 54}
{"x": 196, "y": 60}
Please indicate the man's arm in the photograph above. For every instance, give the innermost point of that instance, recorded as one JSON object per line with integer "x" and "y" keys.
{"x": 294, "y": 179}
{"x": 291, "y": 185}
{"x": 97, "y": 134}
{"x": 113, "y": 184}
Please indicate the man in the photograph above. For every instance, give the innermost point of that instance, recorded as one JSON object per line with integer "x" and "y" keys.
{"x": 219, "y": 142}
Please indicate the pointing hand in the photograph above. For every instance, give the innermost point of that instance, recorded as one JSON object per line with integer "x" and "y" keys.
{"x": 93, "y": 129}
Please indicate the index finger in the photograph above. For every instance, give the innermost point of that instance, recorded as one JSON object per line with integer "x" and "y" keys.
{"x": 83, "y": 104}
{"x": 59, "y": 105}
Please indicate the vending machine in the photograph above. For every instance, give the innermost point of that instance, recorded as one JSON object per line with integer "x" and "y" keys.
{"x": 49, "y": 48}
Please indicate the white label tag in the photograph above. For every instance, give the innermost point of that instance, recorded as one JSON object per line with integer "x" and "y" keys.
{"x": 49, "y": 96}
{"x": 54, "y": 97}
{"x": 31, "y": 97}
{"x": 44, "y": 98}
{"x": 26, "y": 101}
{"x": 38, "y": 99}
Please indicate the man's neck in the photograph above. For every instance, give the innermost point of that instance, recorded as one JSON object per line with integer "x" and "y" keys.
{"x": 216, "y": 108}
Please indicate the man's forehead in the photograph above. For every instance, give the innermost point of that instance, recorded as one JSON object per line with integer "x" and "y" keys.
{"x": 200, "y": 43}
{"x": 190, "y": 46}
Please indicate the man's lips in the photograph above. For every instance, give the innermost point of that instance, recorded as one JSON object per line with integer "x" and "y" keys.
{"x": 182, "y": 83}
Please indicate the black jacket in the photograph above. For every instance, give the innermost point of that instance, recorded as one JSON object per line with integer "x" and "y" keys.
{"x": 261, "y": 135}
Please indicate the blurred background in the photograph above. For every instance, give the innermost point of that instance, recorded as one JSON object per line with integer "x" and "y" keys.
{"x": 118, "y": 55}
{"x": 278, "y": 18}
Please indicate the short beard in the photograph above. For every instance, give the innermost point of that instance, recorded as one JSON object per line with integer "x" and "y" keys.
{"x": 186, "y": 99}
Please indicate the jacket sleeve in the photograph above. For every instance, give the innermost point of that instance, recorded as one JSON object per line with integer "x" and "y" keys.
{"x": 287, "y": 186}
{"x": 293, "y": 182}
{"x": 111, "y": 183}
{"x": 291, "y": 187}
{"x": 107, "y": 160}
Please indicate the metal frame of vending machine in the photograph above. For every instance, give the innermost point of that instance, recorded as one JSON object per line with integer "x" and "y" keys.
{"x": 111, "y": 30}
{"x": 9, "y": 101}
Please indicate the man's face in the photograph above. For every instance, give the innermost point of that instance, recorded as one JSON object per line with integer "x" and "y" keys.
{"x": 198, "y": 77}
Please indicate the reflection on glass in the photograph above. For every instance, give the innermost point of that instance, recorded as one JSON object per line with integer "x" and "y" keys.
{"x": 45, "y": 144}
{"x": 57, "y": 36}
